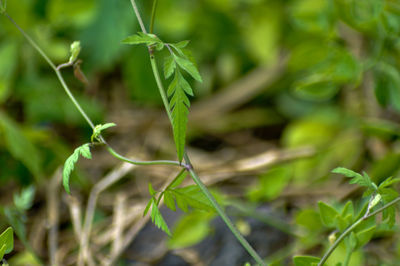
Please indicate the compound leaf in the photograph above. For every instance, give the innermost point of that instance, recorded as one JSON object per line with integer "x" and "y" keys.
{"x": 69, "y": 164}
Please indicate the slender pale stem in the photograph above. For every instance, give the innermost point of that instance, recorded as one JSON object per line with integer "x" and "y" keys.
{"x": 139, "y": 18}
{"x": 157, "y": 162}
{"x": 153, "y": 15}
{"x": 78, "y": 106}
{"x": 352, "y": 227}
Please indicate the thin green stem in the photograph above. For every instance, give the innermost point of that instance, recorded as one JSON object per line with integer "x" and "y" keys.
{"x": 78, "y": 106}
{"x": 157, "y": 162}
{"x": 153, "y": 15}
{"x": 29, "y": 39}
{"x": 352, "y": 227}
{"x": 160, "y": 86}
{"x": 226, "y": 219}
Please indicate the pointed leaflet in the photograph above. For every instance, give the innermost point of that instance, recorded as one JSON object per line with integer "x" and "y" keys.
{"x": 144, "y": 38}
{"x": 179, "y": 104}
{"x": 192, "y": 196}
{"x": 169, "y": 66}
{"x": 188, "y": 66}
{"x": 69, "y": 165}
{"x": 356, "y": 178}
{"x": 157, "y": 218}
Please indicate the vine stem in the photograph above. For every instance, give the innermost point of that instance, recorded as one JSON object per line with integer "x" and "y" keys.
{"x": 189, "y": 166}
{"x": 153, "y": 15}
{"x": 78, "y": 106}
{"x": 352, "y": 227}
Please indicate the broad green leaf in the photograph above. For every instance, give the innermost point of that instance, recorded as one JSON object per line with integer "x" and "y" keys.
{"x": 179, "y": 104}
{"x": 157, "y": 218}
{"x": 7, "y": 240}
{"x": 190, "y": 230}
{"x": 69, "y": 164}
{"x": 305, "y": 260}
{"x": 75, "y": 50}
{"x": 24, "y": 200}
{"x": 142, "y": 38}
{"x": 169, "y": 66}
{"x": 328, "y": 214}
{"x": 188, "y": 66}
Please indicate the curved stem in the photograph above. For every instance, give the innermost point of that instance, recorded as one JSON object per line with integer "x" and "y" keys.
{"x": 157, "y": 162}
{"x": 79, "y": 107}
{"x": 153, "y": 15}
{"x": 223, "y": 215}
{"x": 352, "y": 227}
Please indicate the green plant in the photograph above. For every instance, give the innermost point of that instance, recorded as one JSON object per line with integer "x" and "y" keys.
{"x": 177, "y": 111}
{"x": 355, "y": 228}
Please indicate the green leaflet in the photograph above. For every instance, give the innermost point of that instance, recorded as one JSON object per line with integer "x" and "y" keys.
{"x": 179, "y": 104}
{"x": 188, "y": 66}
{"x": 69, "y": 165}
{"x": 169, "y": 66}
{"x": 6, "y": 242}
{"x": 144, "y": 38}
{"x": 157, "y": 218}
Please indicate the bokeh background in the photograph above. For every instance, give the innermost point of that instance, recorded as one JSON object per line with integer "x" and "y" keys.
{"x": 292, "y": 89}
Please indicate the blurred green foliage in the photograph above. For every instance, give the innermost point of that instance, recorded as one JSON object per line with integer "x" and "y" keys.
{"x": 340, "y": 91}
